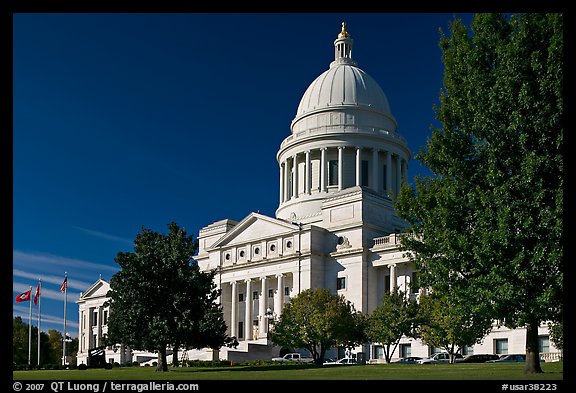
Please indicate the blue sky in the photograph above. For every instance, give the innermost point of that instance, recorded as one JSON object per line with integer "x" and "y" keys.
{"x": 131, "y": 120}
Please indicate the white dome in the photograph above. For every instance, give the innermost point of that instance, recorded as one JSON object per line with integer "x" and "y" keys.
{"x": 344, "y": 85}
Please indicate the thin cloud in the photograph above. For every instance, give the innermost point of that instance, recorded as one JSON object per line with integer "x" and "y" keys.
{"x": 33, "y": 258}
{"x": 57, "y": 280}
{"x": 105, "y": 235}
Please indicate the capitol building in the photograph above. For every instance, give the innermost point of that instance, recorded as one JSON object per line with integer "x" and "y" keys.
{"x": 335, "y": 227}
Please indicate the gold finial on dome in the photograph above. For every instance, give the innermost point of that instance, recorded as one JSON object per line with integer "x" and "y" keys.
{"x": 343, "y": 33}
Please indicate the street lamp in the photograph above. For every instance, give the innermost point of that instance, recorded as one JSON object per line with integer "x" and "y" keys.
{"x": 269, "y": 315}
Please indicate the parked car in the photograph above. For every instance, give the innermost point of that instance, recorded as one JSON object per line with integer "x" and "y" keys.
{"x": 293, "y": 357}
{"x": 341, "y": 362}
{"x": 442, "y": 357}
{"x": 407, "y": 360}
{"x": 479, "y": 358}
{"x": 512, "y": 358}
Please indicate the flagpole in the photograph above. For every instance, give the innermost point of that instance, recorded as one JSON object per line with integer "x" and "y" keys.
{"x": 65, "y": 301}
{"x": 30, "y": 330}
{"x": 39, "y": 301}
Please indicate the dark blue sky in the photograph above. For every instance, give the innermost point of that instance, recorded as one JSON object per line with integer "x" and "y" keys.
{"x": 128, "y": 120}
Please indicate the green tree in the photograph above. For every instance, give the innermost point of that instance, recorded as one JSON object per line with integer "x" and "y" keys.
{"x": 55, "y": 342}
{"x": 450, "y": 322}
{"x": 395, "y": 317}
{"x": 317, "y": 321}
{"x": 557, "y": 334}
{"x": 19, "y": 341}
{"x": 161, "y": 299}
{"x": 491, "y": 216}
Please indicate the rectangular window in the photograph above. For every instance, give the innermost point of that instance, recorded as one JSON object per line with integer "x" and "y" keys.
{"x": 241, "y": 330}
{"x": 105, "y": 317}
{"x": 270, "y": 293}
{"x": 240, "y": 297}
{"x": 387, "y": 284}
{"x": 435, "y": 350}
{"x": 364, "y": 174}
{"x": 468, "y": 350}
{"x": 341, "y": 283}
{"x": 333, "y": 172}
{"x": 501, "y": 346}
{"x": 544, "y": 344}
{"x": 94, "y": 318}
{"x": 255, "y": 295}
{"x": 405, "y": 350}
{"x": 286, "y": 291}
{"x": 378, "y": 352}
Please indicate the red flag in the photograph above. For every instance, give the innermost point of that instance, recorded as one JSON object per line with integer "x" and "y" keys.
{"x": 37, "y": 296}
{"x": 24, "y": 296}
{"x": 64, "y": 284}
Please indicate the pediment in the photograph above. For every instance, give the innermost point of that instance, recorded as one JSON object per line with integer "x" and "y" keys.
{"x": 99, "y": 289}
{"x": 255, "y": 227}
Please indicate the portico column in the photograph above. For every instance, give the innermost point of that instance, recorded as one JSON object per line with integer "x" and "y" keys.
{"x": 323, "y": 169}
{"x": 388, "y": 172}
{"x": 262, "y": 307}
{"x": 279, "y": 299}
{"x": 358, "y": 171}
{"x": 295, "y": 174}
{"x": 398, "y": 174}
{"x": 340, "y": 168}
{"x": 234, "y": 305}
{"x": 393, "y": 277}
{"x": 307, "y": 177}
{"x": 375, "y": 171}
{"x": 248, "y": 312}
{"x": 98, "y": 327}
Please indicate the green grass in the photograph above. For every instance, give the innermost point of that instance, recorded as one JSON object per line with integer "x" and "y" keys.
{"x": 504, "y": 371}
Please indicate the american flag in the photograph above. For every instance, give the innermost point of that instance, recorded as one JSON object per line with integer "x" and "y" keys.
{"x": 64, "y": 284}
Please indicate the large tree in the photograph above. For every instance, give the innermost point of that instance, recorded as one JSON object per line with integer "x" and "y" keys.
{"x": 160, "y": 298}
{"x": 317, "y": 321}
{"x": 490, "y": 217}
{"x": 395, "y": 317}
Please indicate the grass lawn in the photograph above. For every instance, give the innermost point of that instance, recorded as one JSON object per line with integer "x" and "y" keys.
{"x": 480, "y": 371}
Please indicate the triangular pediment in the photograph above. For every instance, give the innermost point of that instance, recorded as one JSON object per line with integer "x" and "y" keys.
{"x": 254, "y": 227}
{"x": 99, "y": 289}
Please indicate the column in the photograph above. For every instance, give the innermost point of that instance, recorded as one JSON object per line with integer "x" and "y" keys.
{"x": 286, "y": 181}
{"x": 340, "y": 166}
{"x": 375, "y": 171}
{"x": 388, "y": 172}
{"x": 404, "y": 170}
{"x": 295, "y": 174}
{"x": 358, "y": 166}
{"x": 262, "y": 321}
{"x": 281, "y": 183}
{"x": 279, "y": 299}
{"x": 398, "y": 174}
{"x": 233, "y": 306}
{"x": 323, "y": 169}
{"x": 308, "y": 176}
{"x": 392, "y": 277}
{"x": 248, "y": 312}
{"x": 98, "y": 327}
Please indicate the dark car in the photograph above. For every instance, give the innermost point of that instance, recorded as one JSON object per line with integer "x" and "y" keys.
{"x": 407, "y": 360}
{"x": 514, "y": 358}
{"x": 479, "y": 358}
